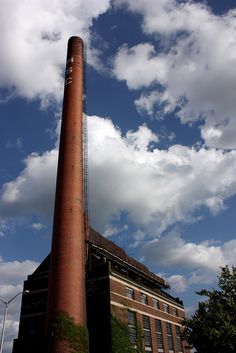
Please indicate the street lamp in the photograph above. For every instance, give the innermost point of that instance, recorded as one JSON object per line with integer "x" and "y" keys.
{"x": 6, "y": 303}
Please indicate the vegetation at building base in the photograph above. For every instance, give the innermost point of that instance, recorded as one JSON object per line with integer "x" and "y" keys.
{"x": 213, "y": 326}
{"x": 74, "y": 335}
{"x": 120, "y": 337}
{"x": 140, "y": 348}
{"x": 120, "y": 334}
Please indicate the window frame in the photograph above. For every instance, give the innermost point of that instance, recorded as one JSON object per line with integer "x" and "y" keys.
{"x": 130, "y": 293}
{"x": 179, "y": 344}
{"x": 157, "y": 303}
{"x": 175, "y": 311}
{"x": 159, "y": 336}
{"x": 143, "y": 298}
{"x": 170, "y": 338}
{"x": 147, "y": 336}
{"x": 132, "y": 318}
{"x": 166, "y": 308}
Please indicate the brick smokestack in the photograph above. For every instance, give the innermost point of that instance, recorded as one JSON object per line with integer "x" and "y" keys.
{"x": 67, "y": 269}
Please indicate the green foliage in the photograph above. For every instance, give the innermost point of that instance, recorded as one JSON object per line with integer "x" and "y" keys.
{"x": 139, "y": 330}
{"x": 75, "y": 336}
{"x": 120, "y": 336}
{"x": 213, "y": 326}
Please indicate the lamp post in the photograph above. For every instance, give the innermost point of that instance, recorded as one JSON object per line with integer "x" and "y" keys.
{"x": 6, "y": 303}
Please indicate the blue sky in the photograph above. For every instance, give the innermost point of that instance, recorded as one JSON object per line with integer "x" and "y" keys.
{"x": 161, "y": 89}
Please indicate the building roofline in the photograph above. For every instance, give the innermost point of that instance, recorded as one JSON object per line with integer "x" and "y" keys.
{"x": 117, "y": 253}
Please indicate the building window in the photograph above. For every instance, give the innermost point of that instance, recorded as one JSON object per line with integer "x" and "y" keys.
{"x": 178, "y": 339}
{"x": 129, "y": 292}
{"x": 175, "y": 311}
{"x": 143, "y": 298}
{"x": 155, "y": 303}
{"x": 160, "y": 342}
{"x": 147, "y": 333}
{"x": 132, "y": 326}
{"x": 170, "y": 337}
{"x": 166, "y": 308}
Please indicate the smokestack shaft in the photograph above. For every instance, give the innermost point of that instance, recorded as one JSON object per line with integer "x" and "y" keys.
{"x": 67, "y": 268}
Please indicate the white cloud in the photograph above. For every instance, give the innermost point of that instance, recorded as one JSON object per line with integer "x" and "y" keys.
{"x": 154, "y": 188}
{"x": 148, "y": 102}
{"x": 33, "y": 51}
{"x": 12, "y": 275}
{"x": 33, "y": 190}
{"x": 38, "y": 226}
{"x": 202, "y": 260}
{"x": 194, "y": 65}
{"x": 177, "y": 283}
{"x": 111, "y": 230}
{"x": 168, "y": 16}
{"x": 130, "y": 65}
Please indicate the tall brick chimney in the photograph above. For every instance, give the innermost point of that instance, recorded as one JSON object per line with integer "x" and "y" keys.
{"x": 67, "y": 269}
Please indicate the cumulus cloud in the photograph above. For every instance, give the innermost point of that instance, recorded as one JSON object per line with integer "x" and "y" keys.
{"x": 12, "y": 275}
{"x": 191, "y": 73}
{"x": 139, "y": 66}
{"x": 33, "y": 190}
{"x": 177, "y": 283}
{"x": 149, "y": 103}
{"x": 202, "y": 260}
{"x": 38, "y": 226}
{"x": 33, "y": 51}
{"x": 172, "y": 15}
{"x": 156, "y": 188}
{"x": 112, "y": 230}
{"x": 130, "y": 175}
{"x": 172, "y": 250}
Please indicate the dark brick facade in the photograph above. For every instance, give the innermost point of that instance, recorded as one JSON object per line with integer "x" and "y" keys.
{"x": 107, "y": 277}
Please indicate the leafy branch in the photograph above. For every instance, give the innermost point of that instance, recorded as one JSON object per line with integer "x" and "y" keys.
{"x": 74, "y": 335}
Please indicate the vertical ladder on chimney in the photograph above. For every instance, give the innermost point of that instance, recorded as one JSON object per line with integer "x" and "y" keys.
{"x": 85, "y": 154}
{"x": 85, "y": 165}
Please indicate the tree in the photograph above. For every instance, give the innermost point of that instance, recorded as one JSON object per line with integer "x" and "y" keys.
{"x": 74, "y": 335}
{"x": 213, "y": 326}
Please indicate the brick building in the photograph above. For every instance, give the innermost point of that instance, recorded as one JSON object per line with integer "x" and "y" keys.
{"x": 116, "y": 284}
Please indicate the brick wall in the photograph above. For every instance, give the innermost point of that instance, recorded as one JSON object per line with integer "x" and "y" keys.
{"x": 120, "y": 301}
